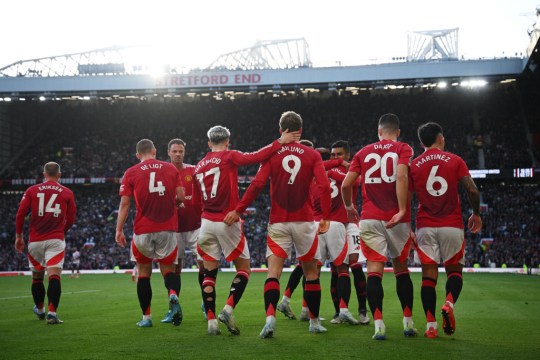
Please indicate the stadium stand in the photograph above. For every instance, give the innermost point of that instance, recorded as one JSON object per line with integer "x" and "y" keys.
{"x": 96, "y": 139}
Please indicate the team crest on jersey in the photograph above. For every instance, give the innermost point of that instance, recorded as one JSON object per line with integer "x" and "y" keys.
{"x": 188, "y": 178}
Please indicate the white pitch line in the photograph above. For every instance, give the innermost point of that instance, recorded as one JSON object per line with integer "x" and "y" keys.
{"x": 66, "y": 293}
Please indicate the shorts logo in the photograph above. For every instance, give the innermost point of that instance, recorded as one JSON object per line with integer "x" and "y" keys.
{"x": 188, "y": 178}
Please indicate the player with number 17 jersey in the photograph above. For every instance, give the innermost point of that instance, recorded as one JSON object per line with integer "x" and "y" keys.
{"x": 377, "y": 164}
{"x": 153, "y": 184}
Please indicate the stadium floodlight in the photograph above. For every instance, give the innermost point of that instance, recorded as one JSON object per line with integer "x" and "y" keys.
{"x": 42, "y": 98}
{"x": 473, "y": 83}
{"x": 7, "y": 99}
{"x": 442, "y": 84}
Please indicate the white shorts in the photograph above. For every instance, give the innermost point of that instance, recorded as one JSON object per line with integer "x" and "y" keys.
{"x": 46, "y": 253}
{"x": 353, "y": 239}
{"x": 333, "y": 244}
{"x": 436, "y": 244}
{"x": 187, "y": 240}
{"x": 302, "y": 234}
{"x": 378, "y": 241}
{"x": 216, "y": 238}
{"x": 161, "y": 246}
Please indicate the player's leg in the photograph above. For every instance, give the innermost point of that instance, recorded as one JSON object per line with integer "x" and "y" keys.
{"x": 271, "y": 294}
{"x": 452, "y": 248}
{"x": 334, "y": 293}
{"x": 165, "y": 251}
{"x": 312, "y": 294}
{"x": 144, "y": 292}
{"x": 238, "y": 286}
{"x": 38, "y": 294}
{"x": 400, "y": 240}
{"x": 54, "y": 260}
{"x": 294, "y": 279}
{"x": 344, "y": 293}
{"x": 430, "y": 273}
{"x": 356, "y": 257}
{"x": 172, "y": 279}
{"x": 454, "y": 284}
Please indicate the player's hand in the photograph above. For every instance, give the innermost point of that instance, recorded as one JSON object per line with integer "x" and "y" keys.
{"x": 120, "y": 238}
{"x": 475, "y": 223}
{"x": 324, "y": 225}
{"x": 287, "y": 137}
{"x": 346, "y": 164}
{"x": 396, "y": 219}
{"x": 231, "y": 217}
{"x": 19, "y": 244}
{"x": 352, "y": 215}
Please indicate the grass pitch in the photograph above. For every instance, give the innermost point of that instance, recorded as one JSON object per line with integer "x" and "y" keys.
{"x": 497, "y": 317}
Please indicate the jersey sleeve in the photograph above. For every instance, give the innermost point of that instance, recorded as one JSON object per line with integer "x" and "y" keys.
{"x": 254, "y": 188}
{"x": 462, "y": 169}
{"x": 330, "y": 164}
{"x": 196, "y": 197}
{"x": 324, "y": 189}
{"x": 126, "y": 188}
{"x": 356, "y": 165}
{"x": 71, "y": 212}
{"x": 24, "y": 207}
{"x": 405, "y": 155}
{"x": 239, "y": 158}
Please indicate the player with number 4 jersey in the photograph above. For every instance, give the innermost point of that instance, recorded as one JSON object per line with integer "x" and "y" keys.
{"x": 385, "y": 221}
{"x": 435, "y": 176}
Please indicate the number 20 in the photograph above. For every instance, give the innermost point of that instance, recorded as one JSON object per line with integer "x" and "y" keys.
{"x": 380, "y": 162}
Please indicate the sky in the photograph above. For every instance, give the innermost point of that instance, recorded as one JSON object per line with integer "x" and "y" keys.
{"x": 194, "y": 33}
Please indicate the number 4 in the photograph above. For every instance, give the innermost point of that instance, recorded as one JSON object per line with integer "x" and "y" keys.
{"x": 160, "y": 189}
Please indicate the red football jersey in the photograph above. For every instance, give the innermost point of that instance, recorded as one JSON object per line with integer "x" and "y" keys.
{"x": 377, "y": 164}
{"x": 52, "y": 207}
{"x": 216, "y": 178}
{"x": 152, "y": 183}
{"x": 435, "y": 177}
{"x": 291, "y": 171}
{"x": 189, "y": 215}
{"x": 314, "y": 190}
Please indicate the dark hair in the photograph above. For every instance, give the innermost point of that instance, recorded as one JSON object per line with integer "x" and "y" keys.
{"x": 342, "y": 144}
{"x": 145, "y": 146}
{"x": 51, "y": 169}
{"x": 290, "y": 120}
{"x": 428, "y": 133}
{"x": 176, "y": 142}
{"x": 306, "y": 143}
{"x": 389, "y": 122}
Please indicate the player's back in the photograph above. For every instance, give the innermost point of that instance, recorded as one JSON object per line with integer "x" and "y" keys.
{"x": 217, "y": 183}
{"x": 378, "y": 165}
{"x": 153, "y": 184}
{"x": 292, "y": 169}
{"x": 435, "y": 177}
{"x": 52, "y": 206}
{"x": 336, "y": 176}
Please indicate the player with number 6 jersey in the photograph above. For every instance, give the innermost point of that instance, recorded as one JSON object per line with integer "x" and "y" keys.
{"x": 53, "y": 209}
{"x": 216, "y": 186}
{"x": 385, "y": 221}
{"x": 435, "y": 176}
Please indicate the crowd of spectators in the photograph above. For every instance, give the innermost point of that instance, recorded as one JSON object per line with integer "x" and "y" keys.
{"x": 97, "y": 139}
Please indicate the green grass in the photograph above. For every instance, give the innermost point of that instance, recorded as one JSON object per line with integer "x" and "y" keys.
{"x": 497, "y": 317}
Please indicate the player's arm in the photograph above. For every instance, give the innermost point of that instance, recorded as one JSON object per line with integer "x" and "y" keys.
{"x": 71, "y": 212}
{"x": 402, "y": 193}
{"x": 123, "y": 211}
{"x": 240, "y": 158}
{"x": 475, "y": 221}
{"x": 251, "y": 193}
{"x": 180, "y": 195}
{"x": 347, "y": 195}
{"x": 321, "y": 179}
{"x": 24, "y": 207}
{"x": 334, "y": 163}
{"x": 196, "y": 197}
